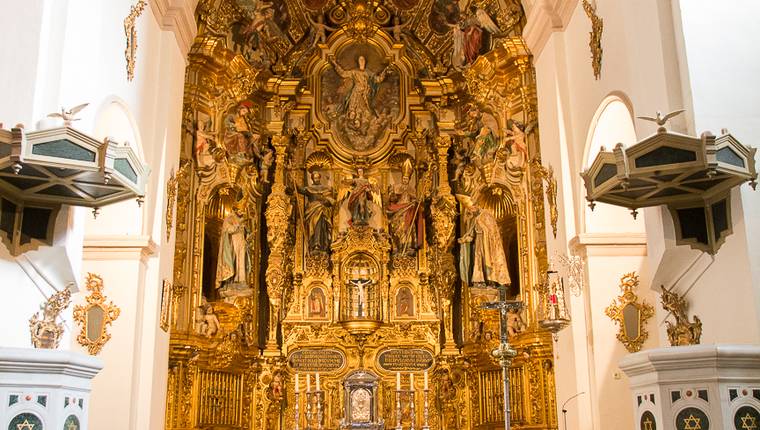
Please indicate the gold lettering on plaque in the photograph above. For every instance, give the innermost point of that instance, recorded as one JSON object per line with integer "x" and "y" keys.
{"x": 405, "y": 359}
{"x": 316, "y": 360}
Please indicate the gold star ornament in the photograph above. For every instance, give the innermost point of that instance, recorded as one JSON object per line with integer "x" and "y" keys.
{"x": 749, "y": 422}
{"x": 692, "y": 423}
{"x": 26, "y": 425}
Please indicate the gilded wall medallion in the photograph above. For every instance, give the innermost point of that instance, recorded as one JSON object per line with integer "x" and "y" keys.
{"x": 95, "y": 316}
{"x": 630, "y": 314}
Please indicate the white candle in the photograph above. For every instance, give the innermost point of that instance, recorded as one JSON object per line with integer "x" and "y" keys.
{"x": 317, "y": 381}
{"x": 308, "y": 383}
{"x": 426, "y": 380}
{"x": 398, "y": 381}
{"x": 411, "y": 382}
{"x": 296, "y": 382}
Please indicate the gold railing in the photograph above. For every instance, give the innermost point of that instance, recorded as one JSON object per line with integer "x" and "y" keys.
{"x": 492, "y": 396}
{"x": 221, "y": 395}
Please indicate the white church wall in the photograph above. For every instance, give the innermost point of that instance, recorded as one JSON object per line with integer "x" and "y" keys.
{"x": 72, "y": 53}
{"x": 721, "y": 70}
{"x": 571, "y": 104}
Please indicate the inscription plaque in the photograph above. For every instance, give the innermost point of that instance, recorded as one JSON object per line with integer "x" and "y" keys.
{"x": 316, "y": 360}
{"x": 405, "y": 359}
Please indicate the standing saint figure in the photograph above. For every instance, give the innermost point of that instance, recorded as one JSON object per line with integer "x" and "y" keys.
{"x": 318, "y": 214}
{"x": 362, "y": 205}
{"x": 233, "y": 259}
{"x": 405, "y": 213}
{"x": 482, "y": 262}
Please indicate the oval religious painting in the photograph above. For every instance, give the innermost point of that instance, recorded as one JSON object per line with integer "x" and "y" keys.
{"x": 360, "y": 99}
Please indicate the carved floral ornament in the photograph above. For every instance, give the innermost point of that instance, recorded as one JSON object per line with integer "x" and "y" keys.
{"x": 595, "y": 41}
{"x": 95, "y": 317}
{"x": 130, "y": 31}
{"x": 630, "y": 314}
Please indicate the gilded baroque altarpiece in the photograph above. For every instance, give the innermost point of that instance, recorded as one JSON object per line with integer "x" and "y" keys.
{"x": 355, "y": 177}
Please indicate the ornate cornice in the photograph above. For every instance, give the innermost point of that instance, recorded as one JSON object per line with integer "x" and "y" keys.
{"x": 609, "y": 244}
{"x": 177, "y": 16}
{"x": 544, "y": 17}
{"x": 119, "y": 248}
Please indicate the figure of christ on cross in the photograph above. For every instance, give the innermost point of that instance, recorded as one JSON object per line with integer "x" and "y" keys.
{"x": 360, "y": 288}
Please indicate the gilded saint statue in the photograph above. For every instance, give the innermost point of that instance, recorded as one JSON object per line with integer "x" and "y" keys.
{"x": 318, "y": 215}
{"x": 232, "y": 264}
{"x": 362, "y": 204}
{"x": 405, "y": 215}
{"x": 482, "y": 262}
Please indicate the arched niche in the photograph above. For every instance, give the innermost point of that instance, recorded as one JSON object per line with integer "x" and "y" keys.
{"x": 114, "y": 120}
{"x": 219, "y": 206}
{"x": 612, "y": 124}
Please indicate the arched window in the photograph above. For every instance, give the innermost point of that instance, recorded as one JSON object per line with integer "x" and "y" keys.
{"x": 613, "y": 124}
{"x": 124, "y": 218}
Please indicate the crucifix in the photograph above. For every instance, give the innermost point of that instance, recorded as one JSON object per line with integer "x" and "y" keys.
{"x": 504, "y": 352}
{"x": 361, "y": 296}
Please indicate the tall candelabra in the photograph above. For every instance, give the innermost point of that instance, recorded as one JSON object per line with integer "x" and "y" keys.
{"x": 426, "y": 411}
{"x": 297, "y": 410}
{"x": 398, "y": 409}
{"x": 504, "y": 352}
{"x": 412, "y": 411}
{"x": 315, "y": 397}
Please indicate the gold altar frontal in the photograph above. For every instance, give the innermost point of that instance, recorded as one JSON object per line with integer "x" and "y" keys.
{"x": 355, "y": 178}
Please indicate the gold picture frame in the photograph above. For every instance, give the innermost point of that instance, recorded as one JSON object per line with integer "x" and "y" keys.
{"x": 630, "y": 314}
{"x": 166, "y": 306}
{"x": 95, "y": 317}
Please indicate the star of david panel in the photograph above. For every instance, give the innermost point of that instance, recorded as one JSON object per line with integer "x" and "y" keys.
{"x": 692, "y": 419}
{"x": 647, "y": 421}
{"x": 747, "y": 418}
{"x": 25, "y": 421}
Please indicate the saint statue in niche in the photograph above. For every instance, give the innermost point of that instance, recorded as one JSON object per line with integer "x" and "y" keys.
{"x": 362, "y": 204}
{"x": 317, "y": 303}
{"x": 405, "y": 213}
{"x": 404, "y": 303}
{"x": 318, "y": 216}
{"x": 482, "y": 262}
{"x": 232, "y": 263}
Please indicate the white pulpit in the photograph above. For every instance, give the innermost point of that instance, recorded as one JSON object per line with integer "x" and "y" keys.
{"x": 44, "y": 389}
{"x": 715, "y": 387}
